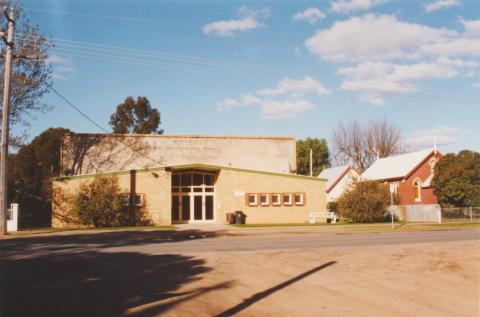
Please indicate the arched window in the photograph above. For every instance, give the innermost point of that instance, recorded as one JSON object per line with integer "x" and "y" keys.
{"x": 417, "y": 187}
{"x": 432, "y": 163}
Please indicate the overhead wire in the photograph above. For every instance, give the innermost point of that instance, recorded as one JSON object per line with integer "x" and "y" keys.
{"x": 145, "y": 57}
{"x": 83, "y": 114}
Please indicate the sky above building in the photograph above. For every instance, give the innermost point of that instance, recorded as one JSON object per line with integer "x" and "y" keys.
{"x": 269, "y": 67}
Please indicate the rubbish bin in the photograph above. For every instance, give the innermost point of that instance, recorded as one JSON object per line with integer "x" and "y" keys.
{"x": 230, "y": 217}
{"x": 240, "y": 217}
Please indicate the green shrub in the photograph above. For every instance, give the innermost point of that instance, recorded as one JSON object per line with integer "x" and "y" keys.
{"x": 99, "y": 203}
{"x": 456, "y": 180}
{"x": 332, "y": 207}
{"x": 364, "y": 202}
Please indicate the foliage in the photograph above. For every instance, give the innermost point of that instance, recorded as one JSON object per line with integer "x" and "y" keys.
{"x": 364, "y": 201}
{"x": 99, "y": 203}
{"x": 320, "y": 155}
{"x": 456, "y": 180}
{"x": 29, "y": 174}
{"x": 333, "y": 207}
{"x": 136, "y": 117}
{"x": 360, "y": 145}
{"x": 30, "y": 76}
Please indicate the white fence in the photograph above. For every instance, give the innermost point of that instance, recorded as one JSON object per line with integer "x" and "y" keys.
{"x": 435, "y": 213}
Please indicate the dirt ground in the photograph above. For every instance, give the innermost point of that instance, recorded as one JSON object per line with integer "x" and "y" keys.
{"x": 411, "y": 280}
{"x": 281, "y": 272}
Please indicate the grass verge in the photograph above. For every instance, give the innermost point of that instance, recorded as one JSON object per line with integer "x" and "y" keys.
{"x": 127, "y": 228}
{"x": 371, "y": 227}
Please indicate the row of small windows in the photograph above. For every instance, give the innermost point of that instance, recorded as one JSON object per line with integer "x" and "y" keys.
{"x": 192, "y": 179}
{"x": 275, "y": 199}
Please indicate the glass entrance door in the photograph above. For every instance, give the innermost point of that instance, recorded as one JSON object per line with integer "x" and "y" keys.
{"x": 193, "y": 197}
{"x": 203, "y": 207}
{"x": 209, "y": 207}
{"x": 180, "y": 208}
{"x": 197, "y": 208}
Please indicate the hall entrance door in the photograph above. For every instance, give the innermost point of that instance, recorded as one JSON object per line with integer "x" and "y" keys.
{"x": 193, "y": 197}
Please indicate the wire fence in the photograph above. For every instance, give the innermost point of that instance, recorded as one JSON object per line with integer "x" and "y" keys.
{"x": 461, "y": 214}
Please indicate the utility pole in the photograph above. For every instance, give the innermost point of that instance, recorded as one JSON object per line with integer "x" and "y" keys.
{"x": 311, "y": 163}
{"x": 10, "y": 15}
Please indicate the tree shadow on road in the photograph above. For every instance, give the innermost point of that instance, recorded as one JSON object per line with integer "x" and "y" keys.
{"x": 97, "y": 240}
{"x": 261, "y": 295}
{"x": 93, "y": 283}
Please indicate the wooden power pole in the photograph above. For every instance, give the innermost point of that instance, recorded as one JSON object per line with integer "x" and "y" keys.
{"x": 10, "y": 15}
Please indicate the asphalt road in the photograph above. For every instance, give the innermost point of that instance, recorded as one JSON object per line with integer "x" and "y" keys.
{"x": 304, "y": 241}
{"x": 161, "y": 242}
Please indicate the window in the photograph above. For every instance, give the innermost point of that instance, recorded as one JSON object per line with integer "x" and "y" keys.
{"x": 175, "y": 180}
{"x": 139, "y": 200}
{"x": 208, "y": 180}
{"x": 186, "y": 179}
{"x": 287, "y": 199}
{"x": 276, "y": 199}
{"x": 264, "y": 200}
{"x": 197, "y": 179}
{"x": 432, "y": 163}
{"x": 252, "y": 200}
{"x": 417, "y": 187}
{"x": 299, "y": 199}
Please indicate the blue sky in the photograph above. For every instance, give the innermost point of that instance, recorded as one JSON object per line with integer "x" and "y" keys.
{"x": 270, "y": 67}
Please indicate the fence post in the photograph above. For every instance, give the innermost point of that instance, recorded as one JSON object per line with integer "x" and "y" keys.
{"x": 471, "y": 218}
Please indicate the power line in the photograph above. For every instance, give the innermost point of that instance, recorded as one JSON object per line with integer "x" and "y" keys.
{"x": 206, "y": 65}
{"x": 76, "y": 108}
{"x": 100, "y": 126}
{"x": 111, "y": 17}
{"x": 158, "y": 54}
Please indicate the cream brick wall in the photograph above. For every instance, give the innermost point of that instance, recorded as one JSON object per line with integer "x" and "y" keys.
{"x": 154, "y": 184}
{"x": 230, "y": 184}
{"x": 98, "y": 153}
{"x": 230, "y": 189}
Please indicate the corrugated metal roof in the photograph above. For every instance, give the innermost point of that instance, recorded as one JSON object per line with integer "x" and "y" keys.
{"x": 332, "y": 174}
{"x": 397, "y": 166}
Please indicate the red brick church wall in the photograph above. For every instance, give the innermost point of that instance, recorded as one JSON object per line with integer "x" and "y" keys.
{"x": 406, "y": 189}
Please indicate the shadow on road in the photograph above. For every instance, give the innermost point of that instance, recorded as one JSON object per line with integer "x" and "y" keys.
{"x": 97, "y": 240}
{"x": 69, "y": 275}
{"x": 93, "y": 283}
{"x": 259, "y": 296}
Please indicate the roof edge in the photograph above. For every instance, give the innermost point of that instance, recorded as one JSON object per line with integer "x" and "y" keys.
{"x": 189, "y": 166}
{"x": 193, "y": 136}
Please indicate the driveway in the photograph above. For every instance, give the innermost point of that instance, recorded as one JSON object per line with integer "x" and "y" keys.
{"x": 194, "y": 272}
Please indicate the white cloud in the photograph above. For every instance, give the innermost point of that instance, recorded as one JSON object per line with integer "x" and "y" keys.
{"x": 377, "y": 63}
{"x": 62, "y": 67}
{"x": 348, "y": 6}
{"x": 296, "y": 87}
{"x": 227, "y": 104}
{"x": 275, "y": 109}
{"x": 466, "y": 43}
{"x": 248, "y": 20}
{"x": 440, "y": 4}
{"x": 312, "y": 15}
{"x": 57, "y": 59}
{"x": 366, "y": 38}
{"x": 375, "y": 80}
{"x": 457, "y": 62}
{"x": 442, "y": 136}
{"x": 285, "y": 101}
{"x": 472, "y": 28}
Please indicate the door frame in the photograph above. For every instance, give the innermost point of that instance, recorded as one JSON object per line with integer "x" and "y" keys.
{"x": 204, "y": 207}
